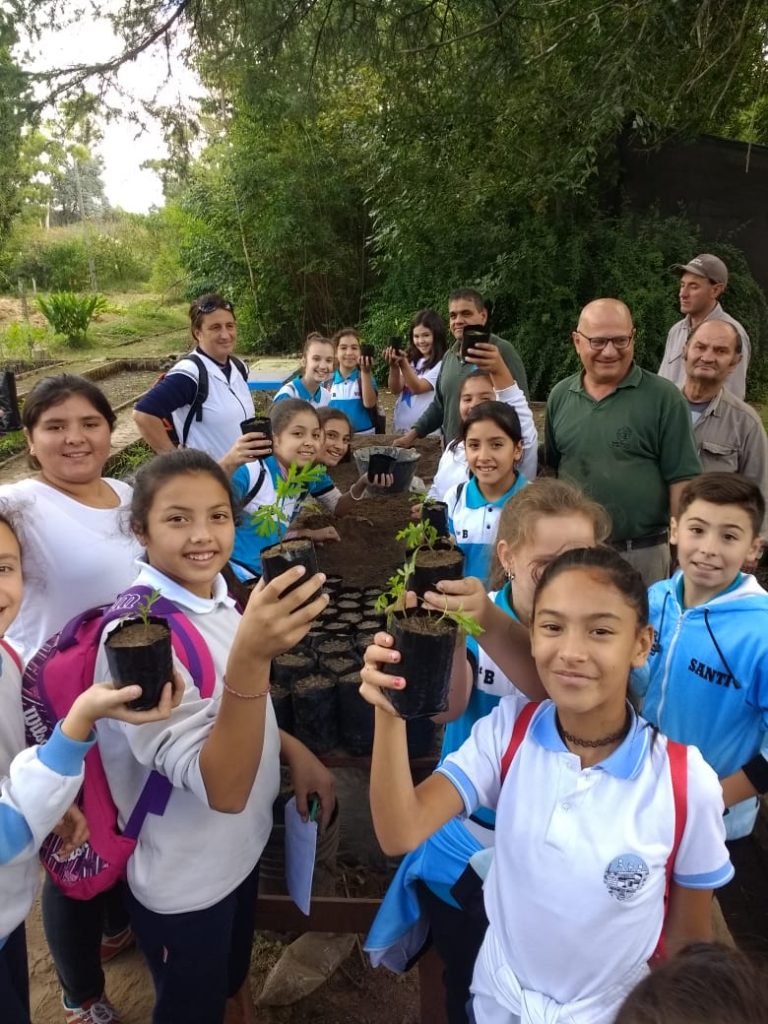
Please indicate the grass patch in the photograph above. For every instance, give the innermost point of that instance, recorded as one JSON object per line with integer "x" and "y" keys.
{"x": 11, "y": 444}
{"x": 126, "y": 462}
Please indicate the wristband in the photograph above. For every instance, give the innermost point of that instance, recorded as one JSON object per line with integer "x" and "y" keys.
{"x": 245, "y": 696}
{"x": 756, "y": 771}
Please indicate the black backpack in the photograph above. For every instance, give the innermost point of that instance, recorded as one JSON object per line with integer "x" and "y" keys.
{"x": 10, "y": 417}
{"x": 201, "y": 397}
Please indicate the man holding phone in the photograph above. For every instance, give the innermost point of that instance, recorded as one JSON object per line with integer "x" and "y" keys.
{"x": 499, "y": 358}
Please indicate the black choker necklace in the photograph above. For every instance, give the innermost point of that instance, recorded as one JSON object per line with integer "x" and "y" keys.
{"x": 605, "y": 741}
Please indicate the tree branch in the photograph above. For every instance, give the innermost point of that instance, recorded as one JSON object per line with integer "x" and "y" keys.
{"x": 77, "y": 74}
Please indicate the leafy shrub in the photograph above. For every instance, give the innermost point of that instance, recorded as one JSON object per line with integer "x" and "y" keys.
{"x": 19, "y": 340}
{"x": 70, "y": 314}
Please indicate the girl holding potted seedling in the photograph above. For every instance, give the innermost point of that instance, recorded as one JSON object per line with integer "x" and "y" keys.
{"x": 478, "y": 387}
{"x": 78, "y": 555}
{"x": 353, "y": 388}
{"x": 494, "y": 446}
{"x": 413, "y": 374}
{"x": 536, "y": 524}
{"x": 193, "y": 875}
{"x": 316, "y": 371}
{"x": 589, "y": 834}
{"x": 271, "y": 493}
{"x": 39, "y": 783}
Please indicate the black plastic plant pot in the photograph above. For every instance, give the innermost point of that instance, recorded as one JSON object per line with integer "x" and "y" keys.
{"x": 289, "y": 668}
{"x": 352, "y": 618}
{"x": 282, "y": 702}
{"x": 436, "y": 514}
{"x": 347, "y": 604}
{"x": 363, "y": 641}
{"x": 471, "y": 336}
{"x": 395, "y": 342}
{"x": 425, "y": 641}
{"x": 337, "y": 628}
{"x": 139, "y": 654}
{"x": 257, "y": 425}
{"x": 335, "y": 646}
{"x": 355, "y": 717}
{"x": 316, "y": 713}
{"x": 281, "y": 557}
{"x": 334, "y": 582}
{"x": 380, "y": 464}
{"x": 368, "y": 351}
{"x": 338, "y": 665}
{"x": 371, "y": 623}
{"x": 430, "y": 566}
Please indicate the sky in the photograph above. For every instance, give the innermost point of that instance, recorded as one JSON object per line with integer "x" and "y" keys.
{"x": 122, "y": 151}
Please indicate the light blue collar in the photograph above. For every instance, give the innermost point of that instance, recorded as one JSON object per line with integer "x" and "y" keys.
{"x": 475, "y": 499}
{"x": 680, "y": 588}
{"x": 149, "y": 576}
{"x": 504, "y": 601}
{"x": 339, "y": 379}
{"x": 624, "y": 763}
{"x": 304, "y": 393}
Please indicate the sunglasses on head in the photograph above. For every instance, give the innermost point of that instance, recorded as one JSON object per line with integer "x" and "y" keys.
{"x": 212, "y": 305}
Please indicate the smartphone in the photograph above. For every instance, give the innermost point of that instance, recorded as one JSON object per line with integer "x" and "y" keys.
{"x": 257, "y": 425}
{"x": 472, "y": 334}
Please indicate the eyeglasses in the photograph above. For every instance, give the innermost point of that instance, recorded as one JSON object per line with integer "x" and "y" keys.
{"x": 598, "y": 344}
{"x": 212, "y": 305}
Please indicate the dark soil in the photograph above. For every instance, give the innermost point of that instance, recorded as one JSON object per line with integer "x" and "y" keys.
{"x": 138, "y": 635}
{"x": 367, "y": 553}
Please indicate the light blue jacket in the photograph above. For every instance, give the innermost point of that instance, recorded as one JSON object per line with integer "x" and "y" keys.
{"x": 706, "y": 680}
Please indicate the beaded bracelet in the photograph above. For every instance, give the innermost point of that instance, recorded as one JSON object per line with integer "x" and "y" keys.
{"x": 245, "y": 696}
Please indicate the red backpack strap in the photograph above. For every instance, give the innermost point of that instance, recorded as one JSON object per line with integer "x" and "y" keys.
{"x": 518, "y": 735}
{"x": 677, "y": 756}
{"x": 14, "y": 655}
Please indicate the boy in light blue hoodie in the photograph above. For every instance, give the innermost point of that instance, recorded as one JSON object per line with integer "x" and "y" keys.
{"x": 706, "y": 680}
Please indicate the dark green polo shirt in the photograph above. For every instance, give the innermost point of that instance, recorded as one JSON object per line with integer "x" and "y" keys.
{"x": 624, "y": 450}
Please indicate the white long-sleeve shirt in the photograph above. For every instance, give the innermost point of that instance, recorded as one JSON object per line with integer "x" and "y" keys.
{"x": 37, "y": 785}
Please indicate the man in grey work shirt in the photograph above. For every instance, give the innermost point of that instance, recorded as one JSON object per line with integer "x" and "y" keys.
{"x": 729, "y": 434}
{"x": 702, "y": 282}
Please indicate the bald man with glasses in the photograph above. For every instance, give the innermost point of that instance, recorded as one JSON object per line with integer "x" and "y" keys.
{"x": 622, "y": 434}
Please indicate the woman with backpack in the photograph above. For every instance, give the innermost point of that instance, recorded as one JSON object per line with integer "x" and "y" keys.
{"x": 78, "y": 554}
{"x": 202, "y": 400}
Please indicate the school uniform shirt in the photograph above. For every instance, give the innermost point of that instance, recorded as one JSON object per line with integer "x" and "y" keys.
{"x": 295, "y": 389}
{"x": 192, "y": 856}
{"x": 587, "y": 849}
{"x": 228, "y": 403}
{"x": 399, "y": 928}
{"x": 453, "y": 469}
{"x": 410, "y": 406}
{"x": 37, "y": 785}
{"x": 706, "y": 679}
{"x": 75, "y": 557}
{"x": 474, "y": 522}
{"x": 346, "y": 395}
{"x": 246, "y": 555}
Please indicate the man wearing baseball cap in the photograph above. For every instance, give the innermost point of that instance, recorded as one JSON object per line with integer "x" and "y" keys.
{"x": 702, "y": 282}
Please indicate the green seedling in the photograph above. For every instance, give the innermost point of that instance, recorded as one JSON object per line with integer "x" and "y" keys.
{"x": 290, "y": 488}
{"x": 393, "y": 597}
{"x": 418, "y": 535}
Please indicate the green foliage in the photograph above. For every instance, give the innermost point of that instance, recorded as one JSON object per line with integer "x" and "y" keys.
{"x": 21, "y": 340}
{"x": 12, "y": 443}
{"x": 418, "y": 535}
{"x": 146, "y": 604}
{"x": 70, "y": 315}
{"x": 394, "y": 596}
{"x": 57, "y": 259}
{"x": 15, "y": 102}
{"x": 289, "y": 488}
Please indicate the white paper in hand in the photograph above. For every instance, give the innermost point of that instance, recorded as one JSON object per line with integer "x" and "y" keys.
{"x": 300, "y": 845}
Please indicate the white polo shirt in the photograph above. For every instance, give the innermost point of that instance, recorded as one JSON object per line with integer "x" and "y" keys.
{"x": 229, "y": 402}
{"x": 575, "y": 893}
{"x": 192, "y": 856}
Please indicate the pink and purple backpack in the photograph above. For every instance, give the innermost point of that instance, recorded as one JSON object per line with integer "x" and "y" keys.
{"x": 61, "y": 670}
